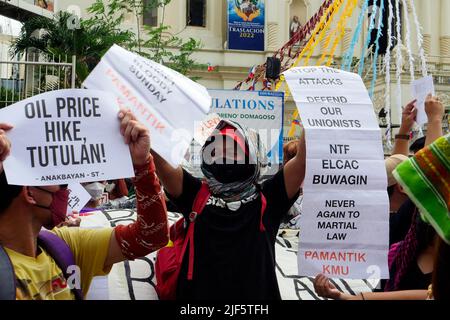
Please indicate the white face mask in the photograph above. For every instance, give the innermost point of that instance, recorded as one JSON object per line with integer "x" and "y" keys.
{"x": 95, "y": 189}
{"x": 110, "y": 187}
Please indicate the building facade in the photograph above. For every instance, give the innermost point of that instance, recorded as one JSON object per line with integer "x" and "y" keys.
{"x": 206, "y": 20}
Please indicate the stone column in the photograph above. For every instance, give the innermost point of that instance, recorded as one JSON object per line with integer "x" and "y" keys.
{"x": 445, "y": 30}
{"x": 425, "y": 19}
{"x": 272, "y": 36}
{"x": 272, "y": 18}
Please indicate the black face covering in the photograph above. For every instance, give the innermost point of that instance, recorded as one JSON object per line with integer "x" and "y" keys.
{"x": 228, "y": 173}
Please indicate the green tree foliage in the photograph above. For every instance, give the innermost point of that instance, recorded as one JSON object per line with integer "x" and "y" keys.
{"x": 7, "y": 97}
{"x": 156, "y": 43}
{"x": 65, "y": 36}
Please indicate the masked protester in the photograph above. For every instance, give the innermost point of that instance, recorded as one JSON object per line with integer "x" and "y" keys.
{"x": 95, "y": 189}
{"x": 35, "y": 264}
{"x": 235, "y": 233}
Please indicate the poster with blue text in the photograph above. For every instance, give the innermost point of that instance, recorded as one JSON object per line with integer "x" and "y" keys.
{"x": 261, "y": 111}
{"x": 246, "y": 24}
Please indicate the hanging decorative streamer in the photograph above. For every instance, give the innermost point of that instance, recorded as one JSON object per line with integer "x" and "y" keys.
{"x": 327, "y": 40}
{"x": 399, "y": 58}
{"x": 348, "y": 56}
{"x": 324, "y": 21}
{"x": 253, "y": 86}
{"x": 323, "y": 26}
{"x": 341, "y": 25}
{"x": 338, "y": 32}
{"x": 408, "y": 39}
{"x": 369, "y": 36}
{"x": 267, "y": 84}
{"x": 387, "y": 63}
{"x": 419, "y": 40}
{"x": 251, "y": 73}
{"x": 286, "y": 50}
{"x": 293, "y": 124}
{"x": 318, "y": 26}
{"x": 377, "y": 48}
{"x": 334, "y": 9}
{"x": 326, "y": 44}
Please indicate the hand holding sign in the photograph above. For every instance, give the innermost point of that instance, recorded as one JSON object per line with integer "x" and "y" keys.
{"x": 409, "y": 115}
{"x": 325, "y": 289}
{"x": 434, "y": 109}
{"x": 136, "y": 136}
{"x": 65, "y": 136}
{"x": 166, "y": 102}
{"x": 421, "y": 88}
{"x": 345, "y": 226}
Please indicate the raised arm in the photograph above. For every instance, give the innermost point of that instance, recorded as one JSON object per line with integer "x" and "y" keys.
{"x": 401, "y": 144}
{"x": 171, "y": 178}
{"x": 435, "y": 112}
{"x": 294, "y": 169}
{"x": 150, "y": 232}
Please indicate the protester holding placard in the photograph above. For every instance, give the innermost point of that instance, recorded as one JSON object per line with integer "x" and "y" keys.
{"x": 166, "y": 102}
{"x": 410, "y": 265}
{"x": 413, "y": 259}
{"x": 425, "y": 178}
{"x": 399, "y": 154}
{"x": 344, "y": 226}
{"x": 234, "y": 234}
{"x": 400, "y": 222}
{"x": 31, "y": 256}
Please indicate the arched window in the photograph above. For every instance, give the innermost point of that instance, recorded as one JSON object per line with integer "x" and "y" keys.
{"x": 297, "y": 16}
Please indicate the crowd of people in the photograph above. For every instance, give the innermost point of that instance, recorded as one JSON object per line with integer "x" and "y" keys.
{"x": 236, "y": 214}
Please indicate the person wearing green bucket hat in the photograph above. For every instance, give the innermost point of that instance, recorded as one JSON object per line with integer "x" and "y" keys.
{"x": 426, "y": 180}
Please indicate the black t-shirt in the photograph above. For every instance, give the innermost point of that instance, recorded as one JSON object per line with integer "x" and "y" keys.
{"x": 233, "y": 258}
{"x": 415, "y": 279}
{"x": 400, "y": 222}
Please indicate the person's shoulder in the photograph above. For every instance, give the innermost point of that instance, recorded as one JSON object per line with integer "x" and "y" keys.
{"x": 65, "y": 232}
{"x": 71, "y": 234}
{"x": 191, "y": 182}
{"x": 278, "y": 175}
{"x": 272, "y": 184}
{"x": 407, "y": 209}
